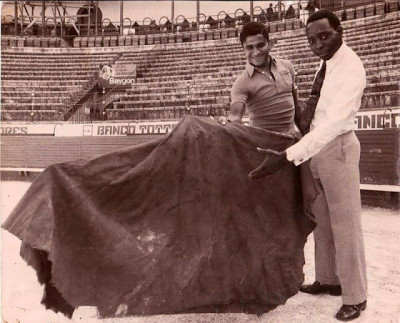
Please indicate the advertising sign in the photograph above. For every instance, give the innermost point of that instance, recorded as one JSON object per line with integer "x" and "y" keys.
{"x": 120, "y": 76}
{"x": 376, "y": 120}
{"x": 365, "y": 120}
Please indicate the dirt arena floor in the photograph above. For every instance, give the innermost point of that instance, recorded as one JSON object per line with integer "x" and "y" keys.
{"x": 21, "y": 293}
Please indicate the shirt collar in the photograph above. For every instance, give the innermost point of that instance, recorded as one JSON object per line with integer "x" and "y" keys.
{"x": 250, "y": 68}
{"x": 330, "y": 64}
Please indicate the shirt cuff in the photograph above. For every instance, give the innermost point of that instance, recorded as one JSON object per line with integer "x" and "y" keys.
{"x": 296, "y": 153}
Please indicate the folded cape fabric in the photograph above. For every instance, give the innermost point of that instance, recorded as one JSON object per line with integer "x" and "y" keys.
{"x": 171, "y": 226}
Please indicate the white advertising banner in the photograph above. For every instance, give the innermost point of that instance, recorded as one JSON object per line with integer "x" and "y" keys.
{"x": 366, "y": 120}
{"x": 117, "y": 76}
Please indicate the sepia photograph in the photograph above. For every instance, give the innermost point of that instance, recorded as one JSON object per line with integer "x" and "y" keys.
{"x": 192, "y": 161}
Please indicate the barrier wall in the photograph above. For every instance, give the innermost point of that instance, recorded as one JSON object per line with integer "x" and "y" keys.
{"x": 365, "y": 120}
{"x": 26, "y": 147}
{"x": 380, "y": 156}
{"x": 42, "y": 151}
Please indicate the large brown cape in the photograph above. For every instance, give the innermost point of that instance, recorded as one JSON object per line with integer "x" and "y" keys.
{"x": 171, "y": 226}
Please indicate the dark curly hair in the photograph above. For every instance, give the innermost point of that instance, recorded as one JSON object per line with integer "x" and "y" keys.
{"x": 253, "y": 28}
{"x": 324, "y": 13}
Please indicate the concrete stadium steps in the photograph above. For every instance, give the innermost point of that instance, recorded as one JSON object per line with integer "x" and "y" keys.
{"x": 379, "y": 88}
{"x": 28, "y": 75}
{"x": 42, "y": 151}
{"x": 192, "y": 70}
{"x": 164, "y": 71}
{"x": 358, "y": 45}
{"x": 187, "y": 77}
{"x": 62, "y": 76}
{"x": 200, "y": 62}
{"x": 197, "y": 57}
{"x": 191, "y": 50}
{"x": 206, "y": 80}
{"x": 56, "y": 86}
{"x": 214, "y": 47}
{"x": 361, "y": 50}
{"x": 194, "y": 56}
{"x": 28, "y": 99}
{"x": 178, "y": 90}
{"x": 18, "y": 64}
{"x": 25, "y": 115}
{"x": 161, "y": 70}
{"x": 353, "y": 27}
{"x": 303, "y": 46}
{"x": 42, "y": 84}
{"x": 25, "y": 93}
{"x": 370, "y": 60}
{"x": 168, "y": 102}
{"x": 172, "y": 112}
{"x": 28, "y": 106}
{"x": 49, "y": 66}
{"x": 156, "y": 66}
{"x": 175, "y": 93}
{"x": 380, "y": 74}
{"x": 387, "y": 28}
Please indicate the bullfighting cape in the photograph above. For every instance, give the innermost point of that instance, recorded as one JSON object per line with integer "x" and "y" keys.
{"x": 171, "y": 226}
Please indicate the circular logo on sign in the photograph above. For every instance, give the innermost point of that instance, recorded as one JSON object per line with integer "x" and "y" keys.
{"x": 106, "y": 71}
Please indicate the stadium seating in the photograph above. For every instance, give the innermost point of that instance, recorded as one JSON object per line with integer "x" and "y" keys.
{"x": 180, "y": 78}
{"x": 170, "y": 81}
{"x": 44, "y": 82}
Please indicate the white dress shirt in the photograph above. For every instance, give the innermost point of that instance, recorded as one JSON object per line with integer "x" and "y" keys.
{"x": 337, "y": 106}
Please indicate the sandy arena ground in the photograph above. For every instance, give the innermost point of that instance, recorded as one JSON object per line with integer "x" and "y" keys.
{"x": 21, "y": 293}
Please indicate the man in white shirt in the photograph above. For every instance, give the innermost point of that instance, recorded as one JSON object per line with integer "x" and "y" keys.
{"x": 334, "y": 152}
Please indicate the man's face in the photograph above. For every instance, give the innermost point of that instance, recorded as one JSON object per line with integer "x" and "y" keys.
{"x": 323, "y": 39}
{"x": 256, "y": 50}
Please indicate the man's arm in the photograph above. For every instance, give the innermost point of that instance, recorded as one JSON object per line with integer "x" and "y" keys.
{"x": 273, "y": 161}
{"x": 239, "y": 94}
{"x": 235, "y": 114}
{"x": 342, "y": 109}
{"x": 298, "y": 107}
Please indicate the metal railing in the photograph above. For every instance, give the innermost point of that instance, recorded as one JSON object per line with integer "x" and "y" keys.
{"x": 93, "y": 105}
{"x": 69, "y": 28}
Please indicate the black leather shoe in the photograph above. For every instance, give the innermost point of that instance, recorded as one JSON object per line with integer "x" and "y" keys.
{"x": 350, "y": 312}
{"x": 317, "y": 288}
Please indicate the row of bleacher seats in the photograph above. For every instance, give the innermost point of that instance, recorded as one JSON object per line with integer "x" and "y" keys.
{"x": 178, "y": 79}
{"x": 45, "y": 82}
{"x": 377, "y": 43}
{"x": 32, "y": 41}
{"x": 28, "y": 116}
{"x": 279, "y": 49}
{"x": 352, "y": 29}
{"x": 174, "y": 112}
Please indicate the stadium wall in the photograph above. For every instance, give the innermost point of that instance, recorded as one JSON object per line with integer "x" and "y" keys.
{"x": 39, "y": 145}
